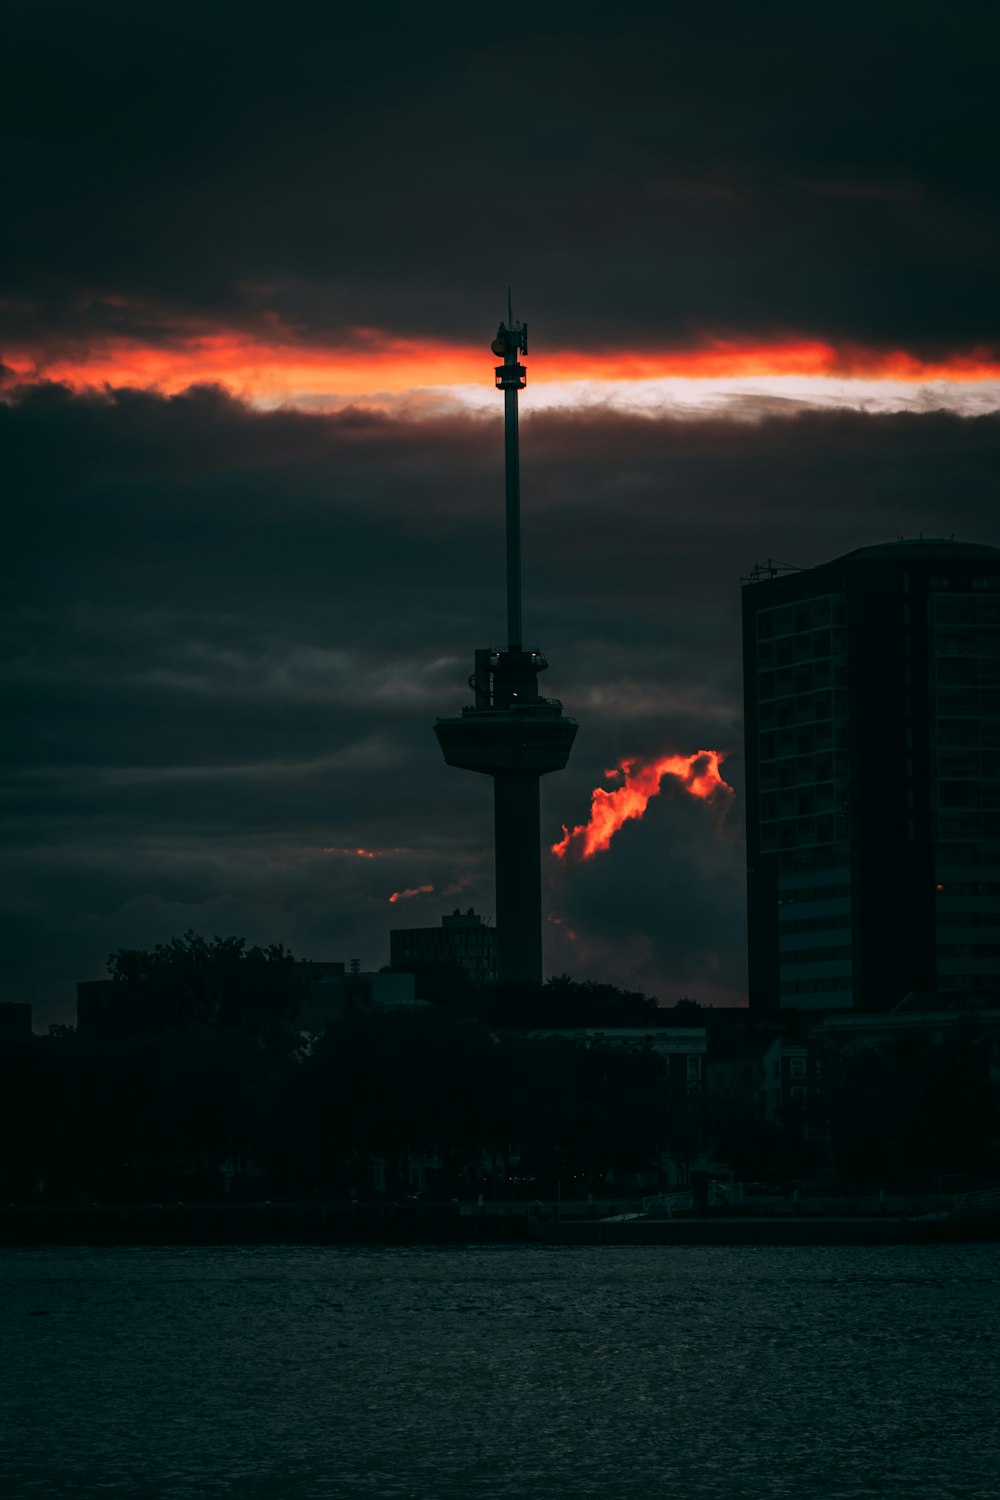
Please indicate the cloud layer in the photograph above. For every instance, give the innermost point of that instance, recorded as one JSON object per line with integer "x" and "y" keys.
{"x": 645, "y": 178}
{"x": 227, "y": 635}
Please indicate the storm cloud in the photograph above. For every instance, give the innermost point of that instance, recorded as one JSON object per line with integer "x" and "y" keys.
{"x": 645, "y": 177}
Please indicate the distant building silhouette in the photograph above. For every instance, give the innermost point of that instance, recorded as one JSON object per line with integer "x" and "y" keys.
{"x": 463, "y": 939}
{"x": 328, "y": 992}
{"x": 872, "y": 708}
{"x": 95, "y": 1005}
{"x": 681, "y": 1087}
{"x": 15, "y": 1021}
{"x": 509, "y": 732}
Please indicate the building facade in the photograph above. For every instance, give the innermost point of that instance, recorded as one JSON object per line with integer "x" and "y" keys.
{"x": 463, "y": 939}
{"x": 330, "y": 992}
{"x": 872, "y": 712}
{"x": 15, "y": 1022}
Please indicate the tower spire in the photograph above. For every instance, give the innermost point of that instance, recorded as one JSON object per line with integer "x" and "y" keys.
{"x": 512, "y": 340}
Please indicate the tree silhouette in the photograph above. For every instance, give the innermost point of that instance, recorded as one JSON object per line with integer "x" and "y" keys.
{"x": 220, "y": 984}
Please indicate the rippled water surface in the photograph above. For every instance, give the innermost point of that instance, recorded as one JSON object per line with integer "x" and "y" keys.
{"x": 481, "y": 1372}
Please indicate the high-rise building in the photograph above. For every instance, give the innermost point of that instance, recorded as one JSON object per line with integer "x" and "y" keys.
{"x": 510, "y": 732}
{"x": 872, "y": 711}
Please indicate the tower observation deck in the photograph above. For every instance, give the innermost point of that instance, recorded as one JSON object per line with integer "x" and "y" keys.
{"x": 510, "y": 732}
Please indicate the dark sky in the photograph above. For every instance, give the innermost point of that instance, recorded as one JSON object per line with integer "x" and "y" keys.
{"x": 228, "y": 628}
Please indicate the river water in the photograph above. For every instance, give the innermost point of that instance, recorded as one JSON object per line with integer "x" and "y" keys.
{"x": 500, "y": 1373}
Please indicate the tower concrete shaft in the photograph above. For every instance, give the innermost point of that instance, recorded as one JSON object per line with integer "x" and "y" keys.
{"x": 509, "y": 732}
{"x": 517, "y": 846}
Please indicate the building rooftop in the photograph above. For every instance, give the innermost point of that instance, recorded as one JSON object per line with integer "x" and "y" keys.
{"x": 920, "y": 548}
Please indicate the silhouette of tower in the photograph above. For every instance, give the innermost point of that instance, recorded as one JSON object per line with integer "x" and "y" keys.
{"x": 510, "y": 732}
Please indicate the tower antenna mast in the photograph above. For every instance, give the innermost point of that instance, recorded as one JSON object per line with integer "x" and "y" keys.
{"x": 511, "y": 341}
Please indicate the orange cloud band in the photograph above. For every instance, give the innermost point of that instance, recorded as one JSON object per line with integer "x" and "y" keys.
{"x": 259, "y": 369}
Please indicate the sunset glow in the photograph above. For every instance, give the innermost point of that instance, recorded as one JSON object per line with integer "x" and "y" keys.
{"x": 699, "y": 774}
{"x": 372, "y": 366}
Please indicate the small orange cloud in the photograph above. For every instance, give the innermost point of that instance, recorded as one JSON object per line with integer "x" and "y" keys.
{"x": 352, "y": 853}
{"x": 558, "y": 921}
{"x": 409, "y": 893}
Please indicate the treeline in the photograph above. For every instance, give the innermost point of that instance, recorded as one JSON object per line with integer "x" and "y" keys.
{"x": 193, "y": 1061}
{"x": 197, "y": 1066}
{"x": 161, "y": 1112}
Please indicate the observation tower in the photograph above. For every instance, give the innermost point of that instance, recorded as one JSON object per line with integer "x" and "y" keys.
{"x": 510, "y": 732}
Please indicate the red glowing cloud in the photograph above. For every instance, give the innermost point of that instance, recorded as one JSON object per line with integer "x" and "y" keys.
{"x": 699, "y": 774}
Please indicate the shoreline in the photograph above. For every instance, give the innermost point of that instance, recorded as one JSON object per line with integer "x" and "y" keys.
{"x": 803, "y": 1231}
{"x": 445, "y": 1224}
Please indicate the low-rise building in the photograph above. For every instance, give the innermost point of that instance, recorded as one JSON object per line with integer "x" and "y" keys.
{"x": 329, "y": 993}
{"x": 685, "y": 1052}
{"x": 789, "y": 1080}
{"x": 464, "y": 939}
{"x": 329, "y": 987}
{"x": 15, "y": 1021}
